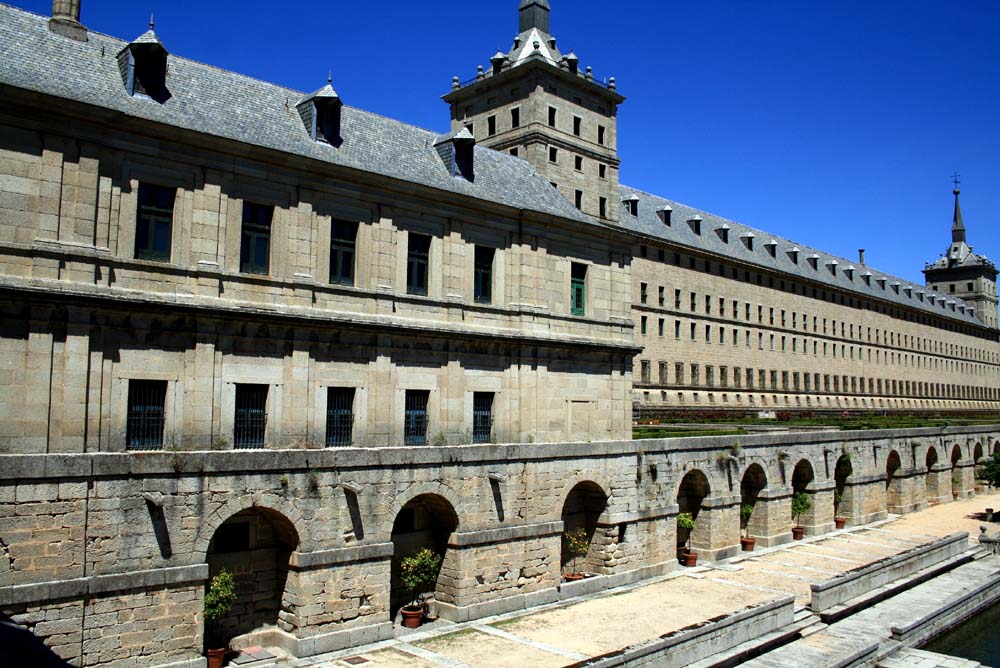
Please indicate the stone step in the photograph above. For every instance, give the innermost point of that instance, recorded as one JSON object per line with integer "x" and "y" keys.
{"x": 803, "y": 621}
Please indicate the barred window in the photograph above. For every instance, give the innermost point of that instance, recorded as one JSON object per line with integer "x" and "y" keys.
{"x": 339, "y": 416}
{"x": 144, "y": 422}
{"x": 415, "y": 417}
{"x": 153, "y": 222}
{"x": 251, "y": 416}
{"x": 482, "y": 417}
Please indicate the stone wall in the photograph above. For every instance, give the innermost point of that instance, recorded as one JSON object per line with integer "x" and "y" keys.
{"x": 106, "y": 546}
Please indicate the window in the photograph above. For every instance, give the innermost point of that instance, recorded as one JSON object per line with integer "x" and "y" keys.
{"x": 603, "y": 207}
{"x": 578, "y": 199}
{"x": 491, "y": 125}
{"x": 600, "y": 135}
{"x": 677, "y": 329}
{"x": 471, "y": 127}
{"x": 416, "y": 264}
{"x": 251, "y": 416}
{"x": 602, "y": 171}
{"x": 515, "y": 117}
{"x": 552, "y": 117}
{"x": 483, "y": 275}
{"x": 577, "y": 123}
{"x": 153, "y": 221}
{"x": 513, "y": 151}
{"x": 662, "y": 295}
{"x": 255, "y": 242}
{"x": 643, "y": 322}
{"x": 553, "y": 154}
{"x": 339, "y": 416}
{"x": 578, "y": 289}
{"x": 643, "y": 291}
{"x": 578, "y": 163}
{"x": 661, "y": 326}
{"x": 482, "y": 417}
{"x": 144, "y": 421}
{"x": 342, "y": 243}
{"x": 677, "y": 299}
{"x": 415, "y": 417}
{"x": 644, "y": 370}
{"x": 678, "y": 373}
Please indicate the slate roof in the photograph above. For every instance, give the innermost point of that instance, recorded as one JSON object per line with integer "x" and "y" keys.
{"x": 216, "y": 102}
{"x": 680, "y": 232}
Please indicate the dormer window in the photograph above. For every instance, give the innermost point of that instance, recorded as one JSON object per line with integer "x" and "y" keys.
{"x": 793, "y": 255}
{"x": 695, "y": 223}
{"x": 664, "y": 213}
{"x": 849, "y": 272}
{"x": 814, "y": 261}
{"x": 143, "y": 66}
{"x": 895, "y": 287}
{"x": 632, "y": 204}
{"x": 832, "y": 266}
{"x": 920, "y": 295}
{"x": 723, "y": 233}
{"x": 747, "y": 240}
{"x": 867, "y": 277}
{"x": 457, "y": 152}
{"x": 908, "y": 291}
{"x": 881, "y": 282}
{"x": 772, "y": 247}
{"x": 320, "y": 113}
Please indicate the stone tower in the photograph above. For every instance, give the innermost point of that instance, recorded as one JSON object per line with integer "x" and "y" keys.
{"x": 962, "y": 274}
{"x": 538, "y": 104}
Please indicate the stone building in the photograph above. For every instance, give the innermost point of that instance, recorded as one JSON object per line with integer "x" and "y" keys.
{"x": 227, "y": 304}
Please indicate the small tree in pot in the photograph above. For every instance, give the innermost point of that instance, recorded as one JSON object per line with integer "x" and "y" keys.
{"x": 800, "y": 505}
{"x": 578, "y": 545}
{"x": 219, "y": 601}
{"x": 418, "y": 573}
{"x": 746, "y": 542}
{"x": 838, "y": 499}
{"x": 686, "y": 521}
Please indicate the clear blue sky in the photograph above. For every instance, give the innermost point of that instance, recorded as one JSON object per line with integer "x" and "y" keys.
{"x": 836, "y": 123}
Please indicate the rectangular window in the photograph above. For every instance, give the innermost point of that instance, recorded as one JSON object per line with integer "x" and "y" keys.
{"x": 678, "y": 373}
{"x": 602, "y": 171}
{"x": 677, "y": 329}
{"x": 250, "y": 421}
{"x": 339, "y": 416}
{"x": 578, "y": 163}
{"x": 491, "y": 125}
{"x": 552, "y": 117}
{"x": 483, "y": 275}
{"x": 417, "y": 258}
{"x": 255, "y": 241}
{"x": 661, "y": 327}
{"x": 600, "y": 135}
{"x": 643, "y": 321}
{"x": 144, "y": 422}
{"x": 154, "y": 218}
{"x": 577, "y": 123}
{"x": 578, "y": 199}
{"x": 603, "y": 207}
{"x": 515, "y": 117}
{"x": 553, "y": 154}
{"x": 482, "y": 417}
{"x": 643, "y": 292}
{"x": 644, "y": 370}
{"x": 343, "y": 237}
{"x": 663, "y": 295}
{"x": 578, "y": 289}
{"x": 513, "y": 151}
{"x": 415, "y": 418}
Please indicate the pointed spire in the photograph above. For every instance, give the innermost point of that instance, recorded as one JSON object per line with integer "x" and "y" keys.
{"x": 534, "y": 14}
{"x": 957, "y": 226}
{"x": 152, "y": 23}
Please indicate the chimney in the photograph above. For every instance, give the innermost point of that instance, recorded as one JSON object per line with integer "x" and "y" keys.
{"x": 65, "y": 20}
{"x": 861, "y": 256}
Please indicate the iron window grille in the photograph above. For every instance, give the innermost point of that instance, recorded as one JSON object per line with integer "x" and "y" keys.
{"x": 482, "y": 417}
{"x": 578, "y": 289}
{"x": 153, "y": 222}
{"x": 255, "y": 246}
{"x": 251, "y": 416}
{"x": 415, "y": 421}
{"x": 144, "y": 422}
{"x": 416, "y": 264}
{"x": 343, "y": 239}
{"x": 339, "y": 416}
{"x": 483, "y": 287}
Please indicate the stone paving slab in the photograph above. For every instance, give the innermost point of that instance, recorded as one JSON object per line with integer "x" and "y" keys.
{"x": 918, "y": 658}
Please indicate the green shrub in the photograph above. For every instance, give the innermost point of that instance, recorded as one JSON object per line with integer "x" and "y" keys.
{"x": 746, "y": 510}
{"x": 800, "y": 504}
{"x": 577, "y": 543}
{"x": 419, "y": 572}
{"x": 221, "y": 596}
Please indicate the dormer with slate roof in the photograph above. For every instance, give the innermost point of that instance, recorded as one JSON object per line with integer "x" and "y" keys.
{"x": 536, "y": 103}
{"x": 143, "y": 66}
{"x": 320, "y": 113}
{"x": 457, "y": 151}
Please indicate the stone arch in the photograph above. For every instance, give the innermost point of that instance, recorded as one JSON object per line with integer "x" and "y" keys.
{"x": 692, "y": 491}
{"x": 399, "y": 502}
{"x": 843, "y": 497}
{"x": 262, "y": 500}
{"x": 582, "y": 507}
{"x": 977, "y": 452}
{"x": 255, "y": 544}
{"x": 956, "y": 472}
{"x": 426, "y": 520}
{"x": 582, "y": 477}
{"x": 893, "y": 493}
{"x": 934, "y": 489}
{"x": 753, "y": 482}
{"x": 803, "y": 476}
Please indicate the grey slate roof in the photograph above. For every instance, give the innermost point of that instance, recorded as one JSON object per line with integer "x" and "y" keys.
{"x": 225, "y": 104}
{"x": 680, "y": 232}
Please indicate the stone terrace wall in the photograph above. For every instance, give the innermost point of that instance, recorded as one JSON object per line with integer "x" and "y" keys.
{"x": 105, "y": 556}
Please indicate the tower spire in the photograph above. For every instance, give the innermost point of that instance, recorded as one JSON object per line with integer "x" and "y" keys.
{"x": 957, "y": 226}
{"x": 534, "y": 14}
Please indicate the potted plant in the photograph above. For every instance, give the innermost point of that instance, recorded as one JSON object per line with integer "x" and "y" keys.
{"x": 746, "y": 542}
{"x": 418, "y": 572}
{"x": 578, "y": 545}
{"x": 800, "y": 504}
{"x": 838, "y": 520}
{"x": 956, "y": 480}
{"x": 219, "y": 601}
{"x": 688, "y": 558}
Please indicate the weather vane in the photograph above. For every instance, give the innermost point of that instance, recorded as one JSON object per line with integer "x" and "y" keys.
{"x": 954, "y": 179}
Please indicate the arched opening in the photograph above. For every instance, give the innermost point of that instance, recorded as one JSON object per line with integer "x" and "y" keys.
{"x": 892, "y": 495}
{"x": 802, "y": 479}
{"x": 426, "y": 521}
{"x": 977, "y": 453}
{"x": 583, "y": 506}
{"x": 753, "y": 482}
{"x": 956, "y": 472}
{"x": 693, "y": 490}
{"x": 255, "y": 546}
{"x": 932, "y": 478}
{"x": 843, "y": 506}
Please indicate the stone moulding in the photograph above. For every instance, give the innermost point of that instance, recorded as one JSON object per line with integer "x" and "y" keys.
{"x": 504, "y": 534}
{"x": 45, "y": 592}
{"x": 354, "y": 553}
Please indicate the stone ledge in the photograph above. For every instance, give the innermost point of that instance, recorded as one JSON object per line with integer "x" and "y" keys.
{"x": 44, "y": 592}
{"x": 353, "y": 553}
{"x": 503, "y": 534}
{"x": 611, "y": 519}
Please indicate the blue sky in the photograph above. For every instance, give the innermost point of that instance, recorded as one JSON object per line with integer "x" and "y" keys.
{"x": 834, "y": 123}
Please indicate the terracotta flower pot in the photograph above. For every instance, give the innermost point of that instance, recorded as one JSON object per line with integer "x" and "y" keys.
{"x": 840, "y": 522}
{"x": 689, "y": 558}
{"x": 412, "y": 616}
{"x": 573, "y": 577}
{"x": 215, "y": 657}
{"x": 798, "y": 533}
{"x": 747, "y": 544}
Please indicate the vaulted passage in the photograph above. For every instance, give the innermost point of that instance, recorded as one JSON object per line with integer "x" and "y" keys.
{"x": 426, "y": 521}
{"x": 583, "y": 506}
{"x": 691, "y": 493}
{"x": 843, "y": 497}
{"x": 753, "y": 482}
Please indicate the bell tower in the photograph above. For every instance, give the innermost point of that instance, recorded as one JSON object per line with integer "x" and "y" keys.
{"x": 538, "y": 104}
